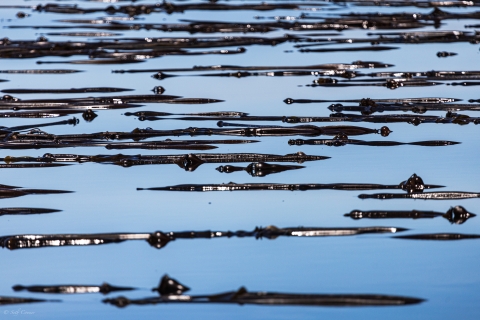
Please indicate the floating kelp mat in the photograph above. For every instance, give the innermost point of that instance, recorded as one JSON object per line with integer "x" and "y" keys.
{"x": 320, "y": 112}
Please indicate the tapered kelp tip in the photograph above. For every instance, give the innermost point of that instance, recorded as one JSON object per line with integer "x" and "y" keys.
{"x": 414, "y": 300}
{"x": 214, "y": 100}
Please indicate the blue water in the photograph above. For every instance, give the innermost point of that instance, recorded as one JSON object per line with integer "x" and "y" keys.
{"x": 105, "y": 200}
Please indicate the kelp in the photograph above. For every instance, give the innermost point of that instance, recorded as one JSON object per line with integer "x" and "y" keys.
{"x": 369, "y": 108}
{"x": 455, "y": 215}
{"x": 414, "y": 185}
{"x": 259, "y": 169}
{"x": 61, "y": 91}
{"x": 36, "y": 137}
{"x": 96, "y": 103}
{"x": 172, "y": 291}
{"x": 188, "y": 162}
{"x": 12, "y": 192}
{"x": 160, "y": 239}
{"x": 327, "y": 66}
{"x": 368, "y": 101}
{"x": 440, "y": 236}
{"x": 343, "y": 140}
{"x": 450, "y": 117}
{"x": 446, "y": 195}
{"x": 18, "y": 300}
{"x": 104, "y": 288}
{"x": 41, "y": 71}
{"x": 26, "y": 211}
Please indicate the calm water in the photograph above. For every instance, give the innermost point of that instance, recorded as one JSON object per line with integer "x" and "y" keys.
{"x": 444, "y": 273}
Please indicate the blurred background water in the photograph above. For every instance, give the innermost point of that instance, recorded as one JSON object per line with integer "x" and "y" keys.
{"x": 105, "y": 198}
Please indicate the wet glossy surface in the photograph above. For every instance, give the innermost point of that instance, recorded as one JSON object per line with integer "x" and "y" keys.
{"x": 160, "y": 239}
{"x": 457, "y": 215}
{"x": 268, "y": 72}
{"x": 171, "y": 291}
{"x": 104, "y": 288}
